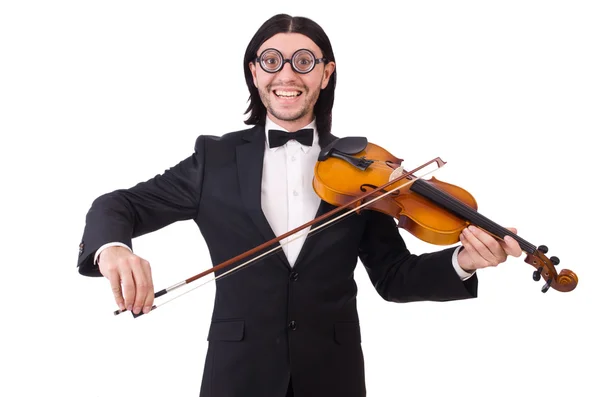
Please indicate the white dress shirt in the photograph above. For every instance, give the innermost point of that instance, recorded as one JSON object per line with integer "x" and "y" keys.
{"x": 288, "y": 199}
{"x": 287, "y": 196}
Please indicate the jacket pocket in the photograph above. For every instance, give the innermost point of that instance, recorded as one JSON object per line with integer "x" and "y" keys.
{"x": 347, "y": 333}
{"x": 226, "y": 330}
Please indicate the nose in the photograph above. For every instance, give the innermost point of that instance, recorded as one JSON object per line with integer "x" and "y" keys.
{"x": 287, "y": 72}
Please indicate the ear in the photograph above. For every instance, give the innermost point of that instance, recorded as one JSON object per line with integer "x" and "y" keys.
{"x": 327, "y": 72}
{"x": 252, "y": 67}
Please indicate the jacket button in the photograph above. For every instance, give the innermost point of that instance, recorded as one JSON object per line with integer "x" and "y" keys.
{"x": 293, "y": 325}
{"x": 293, "y": 276}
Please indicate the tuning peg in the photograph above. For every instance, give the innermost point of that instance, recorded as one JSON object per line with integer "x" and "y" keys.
{"x": 537, "y": 274}
{"x": 546, "y": 286}
{"x": 554, "y": 260}
{"x": 543, "y": 249}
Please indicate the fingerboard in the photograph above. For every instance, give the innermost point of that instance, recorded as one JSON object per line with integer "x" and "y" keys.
{"x": 458, "y": 208}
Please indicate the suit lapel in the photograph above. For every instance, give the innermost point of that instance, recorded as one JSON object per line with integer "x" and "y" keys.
{"x": 250, "y": 156}
{"x": 311, "y": 240}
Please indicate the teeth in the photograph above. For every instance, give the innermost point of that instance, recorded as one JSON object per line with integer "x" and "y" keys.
{"x": 287, "y": 93}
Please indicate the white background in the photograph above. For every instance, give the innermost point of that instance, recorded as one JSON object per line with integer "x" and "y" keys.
{"x": 96, "y": 96}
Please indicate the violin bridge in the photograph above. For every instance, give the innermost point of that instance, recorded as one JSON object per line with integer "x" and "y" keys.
{"x": 397, "y": 173}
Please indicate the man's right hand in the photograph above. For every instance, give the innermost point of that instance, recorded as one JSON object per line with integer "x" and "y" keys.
{"x": 130, "y": 279}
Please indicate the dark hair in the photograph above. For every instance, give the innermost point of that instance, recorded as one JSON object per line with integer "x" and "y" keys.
{"x": 283, "y": 23}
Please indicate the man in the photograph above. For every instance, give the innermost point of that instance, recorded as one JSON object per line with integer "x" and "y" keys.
{"x": 287, "y": 326}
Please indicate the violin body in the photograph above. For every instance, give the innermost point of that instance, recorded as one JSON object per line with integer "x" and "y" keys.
{"x": 354, "y": 173}
{"x": 338, "y": 183}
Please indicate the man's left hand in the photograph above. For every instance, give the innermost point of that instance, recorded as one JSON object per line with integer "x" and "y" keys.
{"x": 481, "y": 250}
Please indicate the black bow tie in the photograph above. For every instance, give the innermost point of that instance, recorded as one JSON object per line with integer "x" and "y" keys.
{"x": 279, "y": 138}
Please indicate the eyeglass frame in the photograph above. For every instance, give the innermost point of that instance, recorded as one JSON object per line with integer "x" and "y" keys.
{"x": 285, "y": 60}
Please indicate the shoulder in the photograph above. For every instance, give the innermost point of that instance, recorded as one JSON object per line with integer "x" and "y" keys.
{"x": 228, "y": 139}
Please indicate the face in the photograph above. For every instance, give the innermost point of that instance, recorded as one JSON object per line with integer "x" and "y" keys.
{"x": 290, "y": 97}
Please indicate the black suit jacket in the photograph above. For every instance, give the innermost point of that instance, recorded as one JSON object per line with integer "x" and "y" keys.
{"x": 270, "y": 321}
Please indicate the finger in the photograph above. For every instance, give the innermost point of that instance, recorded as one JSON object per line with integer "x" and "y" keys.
{"x": 141, "y": 285}
{"x": 493, "y": 245}
{"x": 149, "y": 299}
{"x": 115, "y": 285}
{"x": 511, "y": 246}
{"x": 471, "y": 251}
{"x": 476, "y": 238}
{"x": 128, "y": 286}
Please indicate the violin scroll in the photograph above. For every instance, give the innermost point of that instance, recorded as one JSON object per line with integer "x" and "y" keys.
{"x": 545, "y": 268}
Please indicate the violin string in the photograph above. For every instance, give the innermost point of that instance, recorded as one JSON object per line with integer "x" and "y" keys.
{"x": 293, "y": 238}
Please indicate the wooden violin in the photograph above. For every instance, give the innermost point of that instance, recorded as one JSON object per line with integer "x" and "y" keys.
{"x": 431, "y": 210}
{"x": 353, "y": 174}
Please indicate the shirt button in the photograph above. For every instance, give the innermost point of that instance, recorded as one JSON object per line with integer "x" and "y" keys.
{"x": 293, "y": 325}
{"x": 293, "y": 158}
{"x": 293, "y": 276}
{"x": 295, "y": 193}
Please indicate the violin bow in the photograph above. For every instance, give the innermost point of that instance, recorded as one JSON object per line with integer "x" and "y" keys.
{"x": 359, "y": 202}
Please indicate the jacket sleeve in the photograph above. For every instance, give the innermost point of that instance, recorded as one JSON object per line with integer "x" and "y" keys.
{"x": 124, "y": 214}
{"x": 399, "y": 276}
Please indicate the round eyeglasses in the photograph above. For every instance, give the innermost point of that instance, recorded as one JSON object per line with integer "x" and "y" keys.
{"x": 302, "y": 61}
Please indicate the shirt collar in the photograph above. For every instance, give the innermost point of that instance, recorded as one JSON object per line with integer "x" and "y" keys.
{"x": 271, "y": 125}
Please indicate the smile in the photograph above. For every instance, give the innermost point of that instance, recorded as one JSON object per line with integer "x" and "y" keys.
{"x": 287, "y": 94}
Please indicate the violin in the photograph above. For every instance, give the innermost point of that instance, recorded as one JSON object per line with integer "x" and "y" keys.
{"x": 353, "y": 174}
{"x": 431, "y": 210}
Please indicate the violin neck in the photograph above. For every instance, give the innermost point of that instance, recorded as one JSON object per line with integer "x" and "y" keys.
{"x": 458, "y": 208}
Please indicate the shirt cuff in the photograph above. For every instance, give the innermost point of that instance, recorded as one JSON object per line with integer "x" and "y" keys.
{"x": 464, "y": 275}
{"x": 99, "y": 250}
